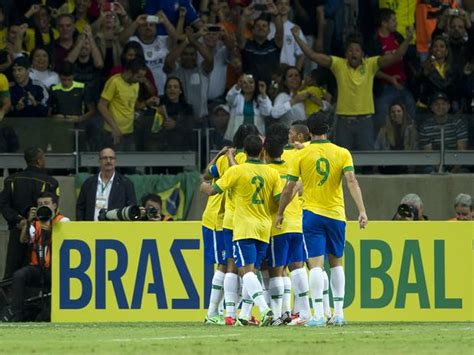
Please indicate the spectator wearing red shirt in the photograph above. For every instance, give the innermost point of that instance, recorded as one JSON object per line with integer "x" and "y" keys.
{"x": 392, "y": 83}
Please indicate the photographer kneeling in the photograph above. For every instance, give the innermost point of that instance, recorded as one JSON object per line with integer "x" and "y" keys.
{"x": 152, "y": 204}
{"x": 36, "y": 233}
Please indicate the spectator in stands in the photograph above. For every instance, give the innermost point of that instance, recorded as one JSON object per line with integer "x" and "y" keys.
{"x": 81, "y": 15}
{"x": 439, "y": 75}
{"x": 153, "y": 206}
{"x": 3, "y": 26}
{"x": 404, "y": 12}
{"x": 40, "y": 68}
{"x": 306, "y": 13}
{"x": 155, "y": 47}
{"x": 110, "y": 25}
{"x": 290, "y": 53}
{"x": 392, "y": 82}
{"x": 398, "y": 133}
{"x": 463, "y": 208}
{"x": 260, "y": 56}
{"x": 5, "y": 100}
{"x": 222, "y": 46}
{"x": 20, "y": 192}
{"x": 415, "y": 202}
{"x": 173, "y": 120}
{"x": 108, "y": 189}
{"x": 219, "y": 120}
{"x": 37, "y": 234}
{"x": 13, "y": 48}
{"x": 319, "y": 99}
{"x": 65, "y": 42}
{"x": 354, "y": 76}
{"x": 289, "y": 104}
{"x": 171, "y": 10}
{"x": 42, "y": 34}
{"x": 248, "y": 105}
{"x": 71, "y": 101}
{"x": 455, "y": 129}
{"x": 193, "y": 75}
{"x": 29, "y": 97}
{"x": 117, "y": 105}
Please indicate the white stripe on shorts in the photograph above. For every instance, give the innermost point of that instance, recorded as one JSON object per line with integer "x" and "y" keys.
{"x": 272, "y": 246}
{"x": 214, "y": 239}
{"x": 240, "y": 253}
{"x": 305, "y": 248}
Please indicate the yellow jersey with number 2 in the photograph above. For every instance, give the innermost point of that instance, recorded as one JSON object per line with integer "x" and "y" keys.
{"x": 255, "y": 187}
{"x": 321, "y": 167}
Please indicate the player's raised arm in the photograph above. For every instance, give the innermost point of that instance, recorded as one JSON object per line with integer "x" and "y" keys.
{"x": 285, "y": 198}
{"x": 356, "y": 194}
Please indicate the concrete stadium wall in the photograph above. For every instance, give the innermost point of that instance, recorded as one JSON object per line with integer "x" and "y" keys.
{"x": 382, "y": 195}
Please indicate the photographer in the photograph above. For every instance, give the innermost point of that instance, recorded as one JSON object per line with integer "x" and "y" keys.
{"x": 152, "y": 204}
{"x": 410, "y": 209}
{"x": 37, "y": 232}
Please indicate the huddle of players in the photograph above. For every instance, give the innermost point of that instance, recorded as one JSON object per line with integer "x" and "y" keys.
{"x": 255, "y": 218}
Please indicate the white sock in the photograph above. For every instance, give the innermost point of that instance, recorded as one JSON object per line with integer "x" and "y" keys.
{"x": 276, "y": 288}
{"x": 326, "y": 306}
{"x": 265, "y": 285}
{"x": 221, "y": 307}
{"x": 255, "y": 290}
{"x": 217, "y": 293}
{"x": 286, "y": 295}
{"x": 231, "y": 287}
{"x": 338, "y": 284}
{"x": 247, "y": 304}
{"x": 239, "y": 292}
{"x": 299, "y": 279}
{"x": 316, "y": 284}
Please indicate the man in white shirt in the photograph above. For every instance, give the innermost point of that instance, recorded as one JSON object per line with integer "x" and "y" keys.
{"x": 291, "y": 53}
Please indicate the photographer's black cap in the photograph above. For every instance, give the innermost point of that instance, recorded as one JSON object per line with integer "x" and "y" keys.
{"x": 22, "y": 62}
{"x": 439, "y": 96}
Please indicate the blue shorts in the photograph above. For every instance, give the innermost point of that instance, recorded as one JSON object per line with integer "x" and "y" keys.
{"x": 227, "y": 235}
{"x": 213, "y": 246}
{"x": 285, "y": 249}
{"x": 249, "y": 251}
{"x": 323, "y": 235}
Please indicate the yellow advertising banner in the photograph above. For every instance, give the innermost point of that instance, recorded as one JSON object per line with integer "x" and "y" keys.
{"x": 155, "y": 271}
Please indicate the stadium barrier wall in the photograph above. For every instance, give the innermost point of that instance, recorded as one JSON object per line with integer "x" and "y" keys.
{"x": 139, "y": 271}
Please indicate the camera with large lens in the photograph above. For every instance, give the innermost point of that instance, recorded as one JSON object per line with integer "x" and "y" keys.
{"x": 407, "y": 212}
{"x": 151, "y": 213}
{"x": 129, "y": 213}
{"x": 44, "y": 213}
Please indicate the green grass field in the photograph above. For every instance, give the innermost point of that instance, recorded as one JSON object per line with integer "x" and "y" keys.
{"x": 195, "y": 338}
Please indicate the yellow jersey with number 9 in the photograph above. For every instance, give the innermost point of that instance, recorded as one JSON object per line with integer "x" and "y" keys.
{"x": 255, "y": 187}
{"x": 321, "y": 167}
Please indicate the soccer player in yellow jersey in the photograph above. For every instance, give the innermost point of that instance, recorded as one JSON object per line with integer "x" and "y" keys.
{"x": 228, "y": 279}
{"x": 321, "y": 166}
{"x": 286, "y": 246}
{"x": 254, "y": 187}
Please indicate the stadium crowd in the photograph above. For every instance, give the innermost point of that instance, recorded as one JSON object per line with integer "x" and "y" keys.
{"x": 141, "y": 75}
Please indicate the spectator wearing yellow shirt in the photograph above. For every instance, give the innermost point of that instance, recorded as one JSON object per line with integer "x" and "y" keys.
{"x": 42, "y": 34}
{"x": 355, "y": 77}
{"x": 3, "y": 28}
{"x": 117, "y": 105}
{"x": 319, "y": 98}
{"x": 5, "y": 101}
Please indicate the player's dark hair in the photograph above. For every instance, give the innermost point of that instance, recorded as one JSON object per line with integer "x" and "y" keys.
{"x": 153, "y": 198}
{"x": 301, "y": 129}
{"x": 31, "y": 155}
{"x": 242, "y": 132}
{"x": 318, "y": 124}
{"x": 278, "y": 131}
{"x": 273, "y": 147}
{"x": 51, "y": 195}
{"x": 384, "y": 16}
{"x": 253, "y": 145}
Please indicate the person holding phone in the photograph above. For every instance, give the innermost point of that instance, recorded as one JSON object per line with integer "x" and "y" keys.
{"x": 249, "y": 103}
